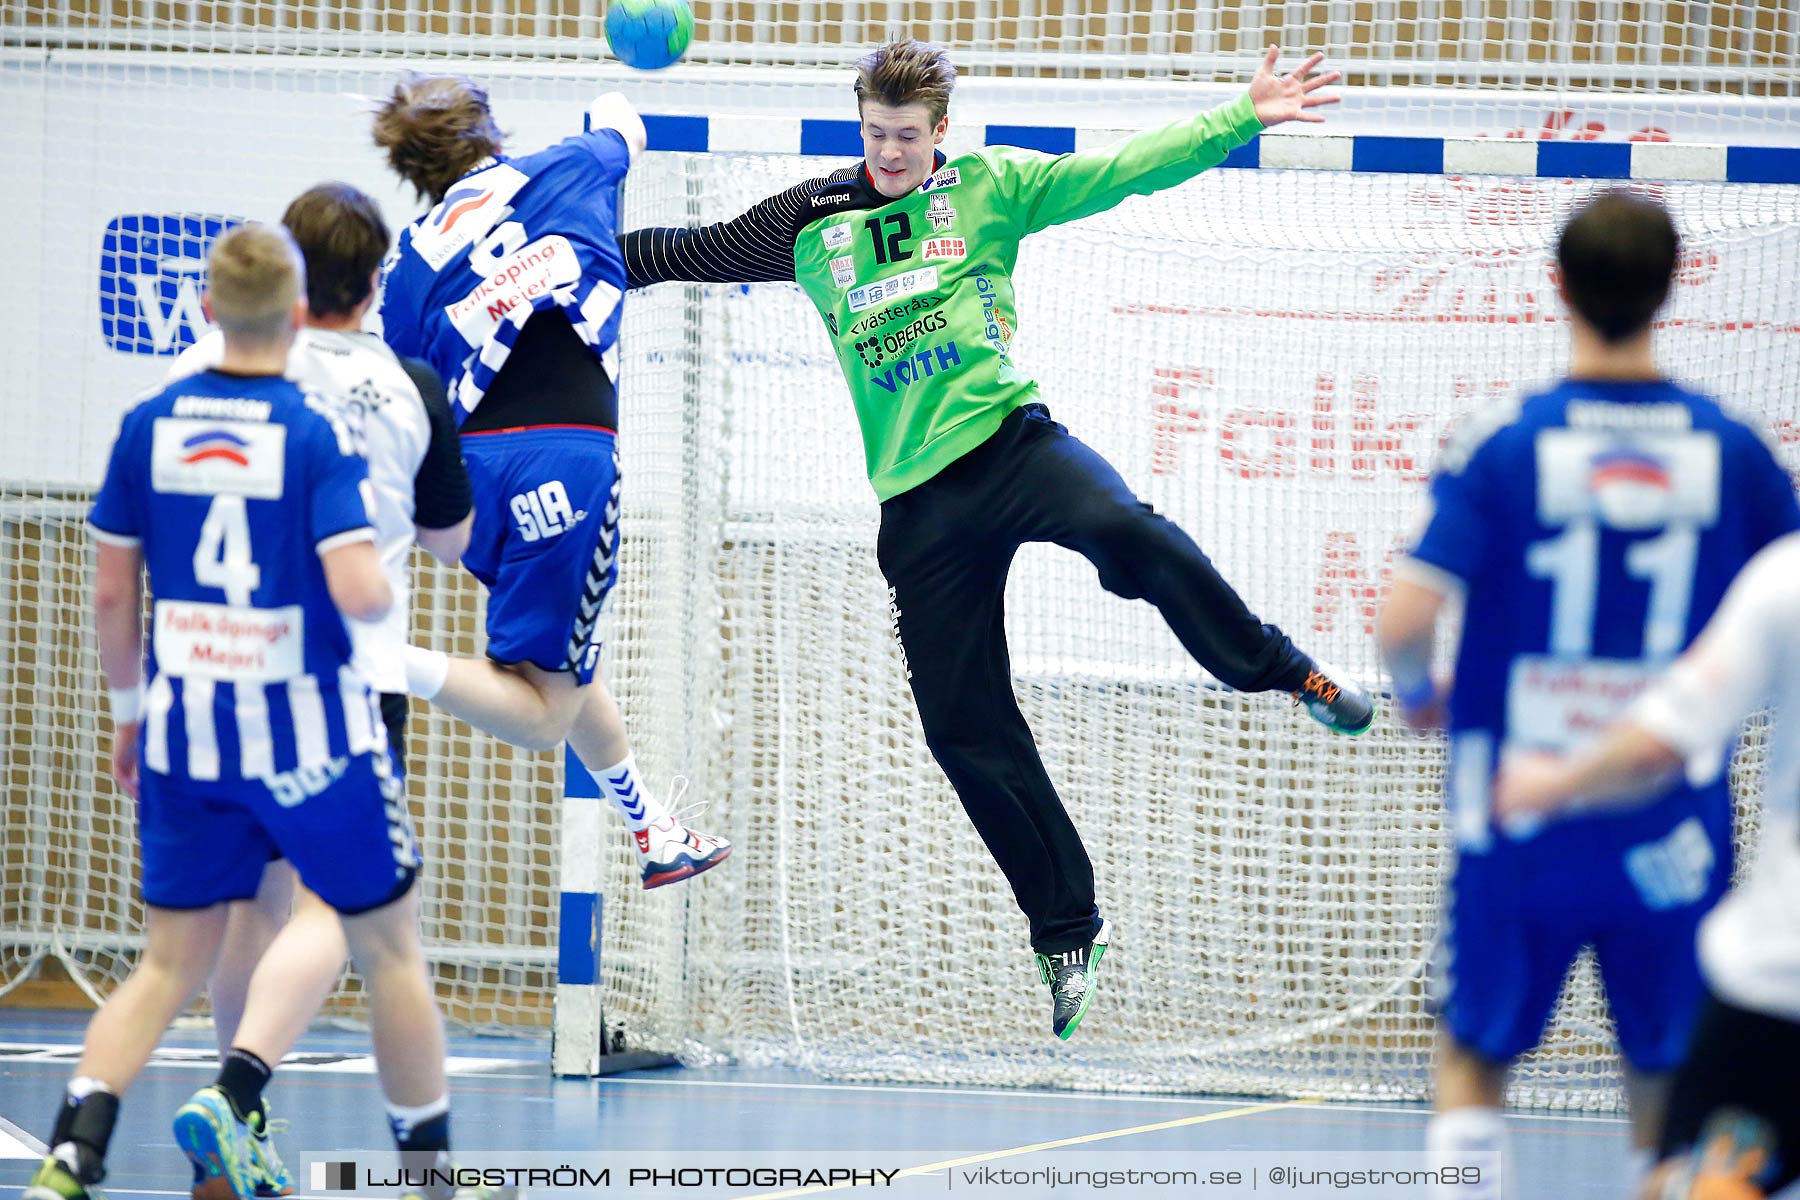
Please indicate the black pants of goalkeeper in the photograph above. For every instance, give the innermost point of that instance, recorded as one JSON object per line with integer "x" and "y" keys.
{"x": 946, "y": 547}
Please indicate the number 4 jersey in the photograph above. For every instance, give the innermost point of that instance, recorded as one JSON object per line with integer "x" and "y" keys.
{"x": 234, "y": 486}
{"x": 1593, "y": 530}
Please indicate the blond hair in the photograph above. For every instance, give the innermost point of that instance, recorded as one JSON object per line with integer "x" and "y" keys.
{"x": 254, "y": 275}
{"x": 434, "y": 129}
{"x": 906, "y": 71}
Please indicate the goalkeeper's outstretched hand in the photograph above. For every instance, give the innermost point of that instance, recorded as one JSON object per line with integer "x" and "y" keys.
{"x": 1290, "y": 97}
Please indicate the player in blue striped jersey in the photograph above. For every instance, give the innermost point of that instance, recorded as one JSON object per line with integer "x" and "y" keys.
{"x": 510, "y": 286}
{"x": 1592, "y": 530}
{"x": 245, "y": 502}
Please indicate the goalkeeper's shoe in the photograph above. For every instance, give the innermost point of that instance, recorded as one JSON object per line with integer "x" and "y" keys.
{"x": 1335, "y": 700}
{"x": 57, "y": 1180}
{"x": 272, "y": 1178}
{"x": 219, "y": 1146}
{"x": 669, "y": 852}
{"x": 1071, "y": 976}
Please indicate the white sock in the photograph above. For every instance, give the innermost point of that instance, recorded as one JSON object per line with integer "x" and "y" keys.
{"x": 403, "y": 1119}
{"x": 1463, "y": 1131}
{"x": 83, "y": 1086}
{"x": 620, "y": 784}
{"x": 426, "y": 671}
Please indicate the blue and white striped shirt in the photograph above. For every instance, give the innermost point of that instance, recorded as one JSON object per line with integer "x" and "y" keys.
{"x": 234, "y": 486}
{"x": 514, "y": 237}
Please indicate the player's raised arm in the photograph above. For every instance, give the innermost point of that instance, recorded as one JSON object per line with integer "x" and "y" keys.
{"x": 754, "y": 247}
{"x": 1047, "y": 190}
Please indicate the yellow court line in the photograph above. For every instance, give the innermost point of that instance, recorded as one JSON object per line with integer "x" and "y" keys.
{"x": 952, "y": 1163}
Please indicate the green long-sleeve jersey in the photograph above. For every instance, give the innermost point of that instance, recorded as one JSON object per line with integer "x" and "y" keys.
{"x": 917, "y": 291}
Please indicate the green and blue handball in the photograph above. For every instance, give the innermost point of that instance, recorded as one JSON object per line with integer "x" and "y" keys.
{"x": 649, "y": 34}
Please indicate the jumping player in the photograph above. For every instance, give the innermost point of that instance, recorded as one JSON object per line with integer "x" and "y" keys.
{"x": 908, "y": 258}
{"x": 510, "y": 288}
{"x": 1593, "y": 529}
{"x": 255, "y": 736}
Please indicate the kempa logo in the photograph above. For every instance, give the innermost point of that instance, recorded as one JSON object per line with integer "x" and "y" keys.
{"x": 828, "y": 200}
{"x": 152, "y": 272}
{"x": 334, "y": 1177}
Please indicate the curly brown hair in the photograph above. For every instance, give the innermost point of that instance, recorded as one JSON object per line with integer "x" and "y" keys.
{"x": 434, "y": 128}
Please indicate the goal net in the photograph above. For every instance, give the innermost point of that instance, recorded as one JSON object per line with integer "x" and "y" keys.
{"x": 1270, "y": 358}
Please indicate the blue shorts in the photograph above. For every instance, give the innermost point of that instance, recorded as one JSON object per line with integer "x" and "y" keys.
{"x": 349, "y": 839}
{"x": 1635, "y": 888}
{"x": 545, "y": 541}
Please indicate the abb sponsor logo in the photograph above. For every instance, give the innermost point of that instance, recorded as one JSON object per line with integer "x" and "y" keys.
{"x": 1343, "y": 433}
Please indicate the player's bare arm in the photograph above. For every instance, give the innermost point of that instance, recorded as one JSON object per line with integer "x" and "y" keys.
{"x": 118, "y": 627}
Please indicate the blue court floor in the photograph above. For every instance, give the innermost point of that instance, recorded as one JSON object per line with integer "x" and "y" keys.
{"x": 505, "y": 1098}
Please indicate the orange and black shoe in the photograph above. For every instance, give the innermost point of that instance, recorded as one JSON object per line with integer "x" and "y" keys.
{"x": 1335, "y": 700}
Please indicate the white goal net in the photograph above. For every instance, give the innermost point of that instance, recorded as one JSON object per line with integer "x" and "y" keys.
{"x": 1269, "y": 357}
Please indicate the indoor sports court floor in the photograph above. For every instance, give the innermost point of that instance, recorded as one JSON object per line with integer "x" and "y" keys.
{"x": 505, "y": 1098}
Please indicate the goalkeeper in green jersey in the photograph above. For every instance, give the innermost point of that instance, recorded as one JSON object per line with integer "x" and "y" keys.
{"x": 909, "y": 259}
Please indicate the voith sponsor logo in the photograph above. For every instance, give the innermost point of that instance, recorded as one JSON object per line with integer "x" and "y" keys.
{"x": 926, "y": 363}
{"x": 152, "y": 272}
{"x": 948, "y": 248}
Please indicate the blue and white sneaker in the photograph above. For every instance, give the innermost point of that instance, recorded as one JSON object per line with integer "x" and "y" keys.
{"x": 669, "y": 852}
{"x": 219, "y": 1146}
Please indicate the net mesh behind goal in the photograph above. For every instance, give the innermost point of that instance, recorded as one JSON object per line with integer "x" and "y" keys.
{"x": 1270, "y": 358}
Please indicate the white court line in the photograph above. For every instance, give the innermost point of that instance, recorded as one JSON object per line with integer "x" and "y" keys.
{"x": 951, "y": 1164}
{"x": 1040, "y": 1094}
{"x": 17, "y": 1144}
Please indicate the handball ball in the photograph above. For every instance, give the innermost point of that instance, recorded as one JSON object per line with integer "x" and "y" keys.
{"x": 649, "y": 34}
